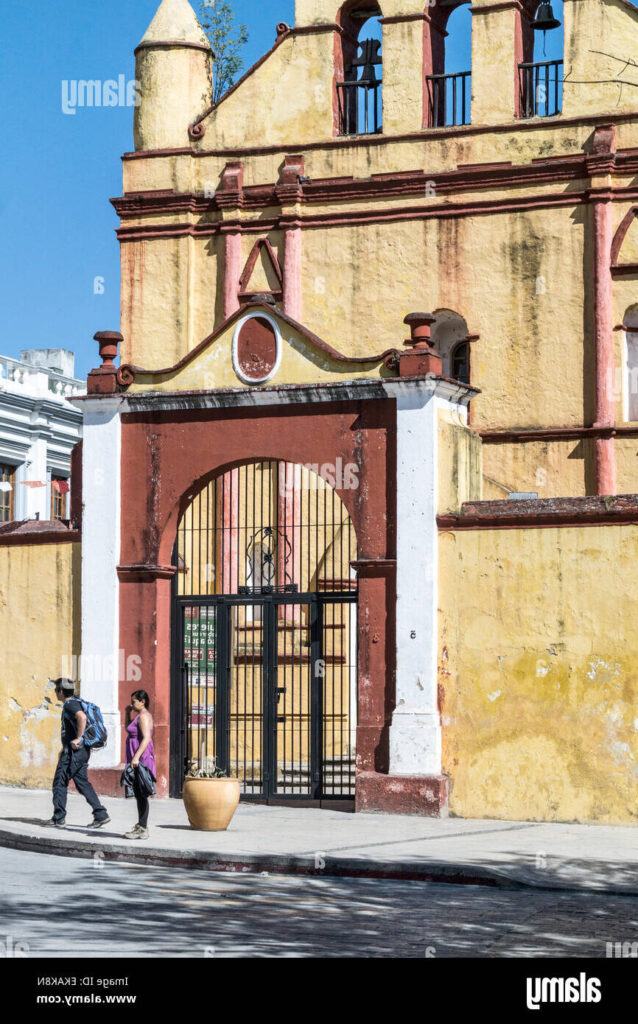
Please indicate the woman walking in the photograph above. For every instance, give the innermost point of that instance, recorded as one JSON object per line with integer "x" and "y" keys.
{"x": 141, "y": 774}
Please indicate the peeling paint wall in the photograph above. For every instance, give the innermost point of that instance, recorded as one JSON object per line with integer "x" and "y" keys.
{"x": 538, "y": 673}
{"x": 39, "y": 630}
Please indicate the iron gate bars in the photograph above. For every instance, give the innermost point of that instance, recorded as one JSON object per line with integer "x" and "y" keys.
{"x": 270, "y": 698}
{"x": 268, "y": 527}
{"x": 541, "y": 88}
{"x": 264, "y": 620}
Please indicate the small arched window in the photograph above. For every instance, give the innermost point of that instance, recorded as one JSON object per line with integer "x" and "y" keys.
{"x": 461, "y": 362}
{"x": 450, "y": 338}
{"x": 359, "y": 71}
{"x": 539, "y": 45}
{"x": 447, "y": 63}
{"x": 631, "y": 363}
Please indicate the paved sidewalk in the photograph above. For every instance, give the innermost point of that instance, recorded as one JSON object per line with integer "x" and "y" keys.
{"x": 591, "y": 858}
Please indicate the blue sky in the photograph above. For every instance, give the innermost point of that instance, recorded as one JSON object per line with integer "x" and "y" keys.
{"x": 59, "y": 171}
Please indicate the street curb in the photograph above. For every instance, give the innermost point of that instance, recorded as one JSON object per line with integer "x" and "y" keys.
{"x": 277, "y": 864}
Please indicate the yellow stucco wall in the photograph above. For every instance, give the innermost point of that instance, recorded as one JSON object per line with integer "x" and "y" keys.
{"x": 460, "y": 463}
{"x": 538, "y": 672}
{"x": 599, "y": 35}
{"x": 39, "y": 629}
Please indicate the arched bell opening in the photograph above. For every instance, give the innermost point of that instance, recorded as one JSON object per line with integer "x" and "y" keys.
{"x": 448, "y": 64}
{"x": 540, "y": 58}
{"x": 264, "y": 664}
{"x": 359, "y": 69}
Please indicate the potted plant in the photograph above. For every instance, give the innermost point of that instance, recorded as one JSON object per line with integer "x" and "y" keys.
{"x": 210, "y": 797}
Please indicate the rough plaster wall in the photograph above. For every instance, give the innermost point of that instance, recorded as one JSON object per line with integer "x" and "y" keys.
{"x": 553, "y": 469}
{"x": 39, "y": 627}
{"x": 155, "y": 307}
{"x": 517, "y": 279}
{"x": 627, "y": 464}
{"x": 538, "y": 673}
{"x": 610, "y": 27}
{"x": 287, "y": 99}
{"x": 459, "y": 459}
{"x": 493, "y": 62}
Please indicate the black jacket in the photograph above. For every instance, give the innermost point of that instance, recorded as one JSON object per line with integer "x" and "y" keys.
{"x": 145, "y": 780}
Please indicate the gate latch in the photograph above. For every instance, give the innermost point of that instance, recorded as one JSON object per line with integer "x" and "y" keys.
{"x": 279, "y": 691}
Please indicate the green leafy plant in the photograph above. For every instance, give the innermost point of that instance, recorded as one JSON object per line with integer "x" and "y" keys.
{"x": 195, "y": 771}
{"x": 227, "y": 39}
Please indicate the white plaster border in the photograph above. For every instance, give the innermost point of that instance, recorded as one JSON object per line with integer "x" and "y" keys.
{"x": 278, "y": 339}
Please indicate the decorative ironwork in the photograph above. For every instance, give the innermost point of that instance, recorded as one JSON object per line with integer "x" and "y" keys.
{"x": 265, "y": 563}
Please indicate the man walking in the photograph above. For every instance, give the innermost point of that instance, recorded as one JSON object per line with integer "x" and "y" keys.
{"x": 73, "y": 760}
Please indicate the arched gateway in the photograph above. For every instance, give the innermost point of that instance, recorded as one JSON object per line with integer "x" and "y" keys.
{"x": 262, "y": 537}
{"x": 264, "y": 632}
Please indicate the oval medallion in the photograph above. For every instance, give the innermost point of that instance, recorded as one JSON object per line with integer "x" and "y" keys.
{"x": 256, "y": 349}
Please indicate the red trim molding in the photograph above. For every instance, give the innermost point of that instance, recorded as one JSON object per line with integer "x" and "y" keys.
{"x": 543, "y": 513}
{"x": 173, "y": 44}
{"x": 374, "y": 567}
{"x": 374, "y": 216}
{"x": 379, "y": 186}
{"x": 500, "y": 5}
{"x": 398, "y": 19}
{"x": 513, "y": 436}
{"x": 145, "y": 573}
{"x": 48, "y": 535}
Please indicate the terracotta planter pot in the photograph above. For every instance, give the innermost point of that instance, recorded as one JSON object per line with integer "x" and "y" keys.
{"x": 210, "y": 803}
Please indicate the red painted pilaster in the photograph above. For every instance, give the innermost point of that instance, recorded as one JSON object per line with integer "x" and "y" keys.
{"x": 603, "y": 328}
{"x": 292, "y": 270}
{"x": 600, "y": 165}
{"x": 232, "y": 268}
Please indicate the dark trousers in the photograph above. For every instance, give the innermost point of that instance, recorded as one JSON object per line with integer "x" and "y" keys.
{"x": 142, "y": 803}
{"x": 73, "y": 764}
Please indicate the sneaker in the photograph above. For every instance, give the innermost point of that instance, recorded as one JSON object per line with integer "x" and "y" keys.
{"x": 57, "y": 824}
{"x": 97, "y": 823}
{"x": 137, "y": 833}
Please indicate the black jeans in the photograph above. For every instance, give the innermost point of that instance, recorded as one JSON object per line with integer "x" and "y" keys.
{"x": 72, "y": 764}
{"x": 142, "y": 803}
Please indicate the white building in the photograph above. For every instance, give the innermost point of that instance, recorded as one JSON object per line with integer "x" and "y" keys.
{"x": 38, "y": 430}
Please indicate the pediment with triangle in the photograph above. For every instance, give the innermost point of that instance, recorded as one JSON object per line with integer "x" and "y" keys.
{"x": 258, "y": 346}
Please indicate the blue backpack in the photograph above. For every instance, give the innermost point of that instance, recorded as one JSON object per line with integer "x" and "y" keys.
{"x": 95, "y": 734}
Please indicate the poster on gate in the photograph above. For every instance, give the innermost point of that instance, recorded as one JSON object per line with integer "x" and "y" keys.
{"x": 200, "y": 643}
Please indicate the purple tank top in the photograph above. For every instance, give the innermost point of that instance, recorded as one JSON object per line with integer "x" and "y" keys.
{"x": 133, "y": 741}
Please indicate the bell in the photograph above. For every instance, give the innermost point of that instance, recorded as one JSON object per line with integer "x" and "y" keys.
{"x": 545, "y": 20}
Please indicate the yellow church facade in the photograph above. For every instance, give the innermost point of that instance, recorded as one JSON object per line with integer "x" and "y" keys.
{"x": 369, "y": 554}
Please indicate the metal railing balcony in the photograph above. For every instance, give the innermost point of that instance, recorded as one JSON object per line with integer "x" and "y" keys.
{"x": 360, "y": 107}
{"x": 449, "y": 98}
{"x": 541, "y": 88}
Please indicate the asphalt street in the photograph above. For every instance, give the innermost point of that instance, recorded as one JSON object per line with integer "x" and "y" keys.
{"x": 61, "y": 907}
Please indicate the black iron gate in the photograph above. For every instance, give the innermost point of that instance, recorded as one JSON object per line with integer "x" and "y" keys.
{"x": 264, "y": 676}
